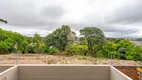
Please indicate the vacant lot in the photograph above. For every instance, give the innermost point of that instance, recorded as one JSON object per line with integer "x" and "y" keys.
{"x": 57, "y": 59}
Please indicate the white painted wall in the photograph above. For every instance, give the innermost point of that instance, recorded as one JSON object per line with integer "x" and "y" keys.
{"x": 10, "y": 74}
{"x": 63, "y": 72}
{"x": 141, "y": 76}
{"x": 68, "y": 72}
{"x": 117, "y": 75}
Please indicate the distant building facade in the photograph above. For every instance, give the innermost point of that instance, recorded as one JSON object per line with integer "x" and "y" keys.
{"x": 71, "y": 36}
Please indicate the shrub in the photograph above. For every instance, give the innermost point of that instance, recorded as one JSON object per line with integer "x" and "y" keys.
{"x": 3, "y": 47}
{"x": 42, "y": 47}
{"x": 50, "y": 51}
{"x": 138, "y": 54}
{"x": 122, "y": 53}
{"x": 138, "y": 57}
{"x": 129, "y": 57}
{"x": 101, "y": 54}
{"x": 67, "y": 52}
{"x": 46, "y": 49}
{"x": 31, "y": 49}
{"x": 77, "y": 50}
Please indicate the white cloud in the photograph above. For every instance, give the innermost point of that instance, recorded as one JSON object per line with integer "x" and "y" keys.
{"x": 44, "y": 16}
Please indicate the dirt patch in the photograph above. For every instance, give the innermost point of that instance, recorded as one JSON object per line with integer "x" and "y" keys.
{"x": 57, "y": 59}
{"x": 130, "y": 71}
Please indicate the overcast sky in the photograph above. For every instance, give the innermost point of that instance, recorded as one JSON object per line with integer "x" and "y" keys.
{"x": 117, "y": 18}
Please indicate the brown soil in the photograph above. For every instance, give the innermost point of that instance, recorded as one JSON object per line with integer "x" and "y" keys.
{"x": 130, "y": 71}
{"x": 57, "y": 59}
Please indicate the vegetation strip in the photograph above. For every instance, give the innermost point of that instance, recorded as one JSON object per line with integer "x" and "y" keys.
{"x": 63, "y": 41}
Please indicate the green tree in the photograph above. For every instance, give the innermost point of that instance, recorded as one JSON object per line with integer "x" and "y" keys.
{"x": 138, "y": 54}
{"x": 3, "y": 47}
{"x": 126, "y": 48}
{"x": 58, "y": 38}
{"x": 122, "y": 49}
{"x": 37, "y": 41}
{"x": 10, "y": 39}
{"x": 93, "y": 36}
{"x": 10, "y": 44}
{"x": 29, "y": 39}
{"x": 77, "y": 50}
{"x": 110, "y": 50}
{"x": 82, "y": 41}
{"x": 23, "y": 46}
{"x": 42, "y": 48}
{"x": 115, "y": 40}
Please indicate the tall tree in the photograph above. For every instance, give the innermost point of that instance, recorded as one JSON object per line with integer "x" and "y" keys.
{"x": 58, "y": 38}
{"x": 93, "y": 36}
{"x": 37, "y": 40}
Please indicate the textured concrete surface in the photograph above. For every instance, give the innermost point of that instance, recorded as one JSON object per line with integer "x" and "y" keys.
{"x": 117, "y": 75}
{"x": 10, "y": 74}
{"x": 62, "y": 72}
{"x": 140, "y": 76}
{"x": 3, "y": 68}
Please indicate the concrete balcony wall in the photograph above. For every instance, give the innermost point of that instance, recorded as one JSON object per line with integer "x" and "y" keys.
{"x": 4, "y": 67}
{"x": 68, "y": 72}
{"x": 141, "y": 76}
{"x": 117, "y": 75}
{"x": 9, "y": 73}
{"x": 62, "y": 72}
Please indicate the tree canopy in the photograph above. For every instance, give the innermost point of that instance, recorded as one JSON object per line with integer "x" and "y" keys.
{"x": 9, "y": 39}
{"x": 92, "y": 42}
{"x": 93, "y": 36}
{"x": 58, "y": 38}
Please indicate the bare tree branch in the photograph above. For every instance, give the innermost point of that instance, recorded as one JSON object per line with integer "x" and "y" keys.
{"x": 1, "y": 20}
